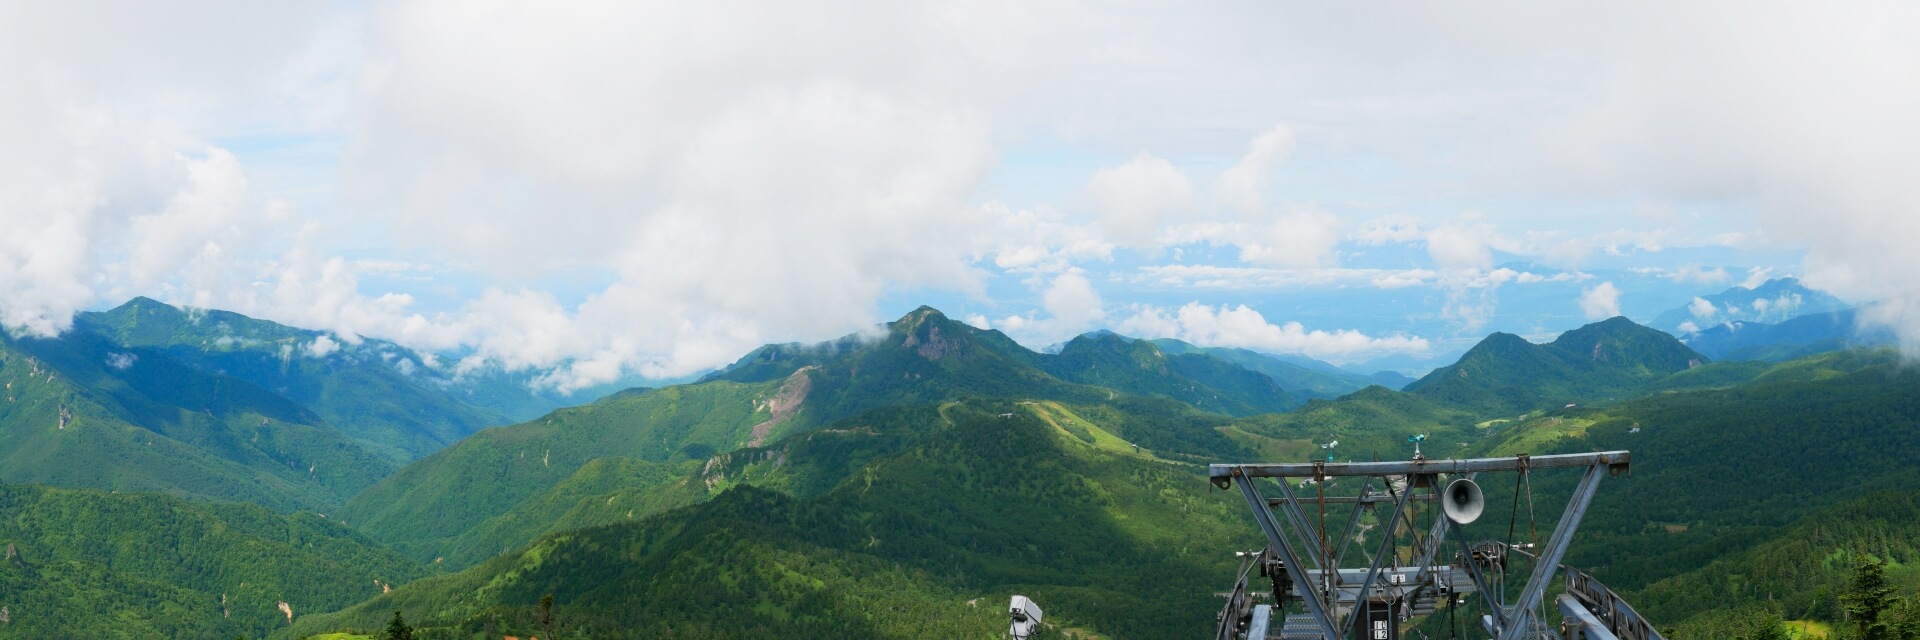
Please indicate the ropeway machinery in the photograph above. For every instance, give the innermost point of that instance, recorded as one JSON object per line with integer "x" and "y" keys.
{"x": 1307, "y": 585}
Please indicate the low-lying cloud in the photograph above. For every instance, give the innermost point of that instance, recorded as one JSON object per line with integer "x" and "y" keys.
{"x": 1243, "y": 327}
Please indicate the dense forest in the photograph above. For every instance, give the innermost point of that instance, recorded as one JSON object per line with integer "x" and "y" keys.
{"x": 904, "y": 483}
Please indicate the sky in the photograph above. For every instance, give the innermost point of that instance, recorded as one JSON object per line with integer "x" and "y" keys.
{"x": 601, "y": 190}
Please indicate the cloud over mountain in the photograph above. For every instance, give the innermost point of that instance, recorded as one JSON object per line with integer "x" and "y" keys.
{"x": 646, "y": 188}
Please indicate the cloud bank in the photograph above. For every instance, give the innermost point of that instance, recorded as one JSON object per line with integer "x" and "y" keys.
{"x": 1242, "y": 327}
{"x": 643, "y": 188}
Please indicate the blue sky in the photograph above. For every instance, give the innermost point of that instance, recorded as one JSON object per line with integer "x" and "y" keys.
{"x": 651, "y": 189}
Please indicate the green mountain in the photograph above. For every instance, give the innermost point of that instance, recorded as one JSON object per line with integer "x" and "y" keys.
{"x": 1798, "y": 571}
{"x": 1140, "y": 367}
{"x": 904, "y": 523}
{"x": 1727, "y": 477}
{"x": 471, "y": 500}
{"x": 387, "y": 397}
{"x": 423, "y": 509}
{"x": 1505, "y": 374}
{"x": 92, "y": 564}
{"x": 1370, "y": 423}
{"x": 1298, "y": 374}
{"x": 1724, "y": 466}
{"x": 80, "y": 411}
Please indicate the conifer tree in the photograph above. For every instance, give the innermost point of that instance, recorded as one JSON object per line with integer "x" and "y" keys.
{"x": 397, "y": 629}
{"x": 546, "y": 614}
{"x": 1869, "y": 598}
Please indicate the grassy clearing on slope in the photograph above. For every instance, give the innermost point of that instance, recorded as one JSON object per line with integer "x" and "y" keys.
{"x": 1799, "y": 629}
{"x": 1540, "y": 434}
{"x": 1271, "y": 449}
{"x": 1085, "y": 431}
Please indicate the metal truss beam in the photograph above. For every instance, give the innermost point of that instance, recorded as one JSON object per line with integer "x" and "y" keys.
{"x": 1222, "y": 474}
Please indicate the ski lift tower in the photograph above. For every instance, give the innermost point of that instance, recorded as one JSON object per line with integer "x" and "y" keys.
{"x": 1308, "y": 570}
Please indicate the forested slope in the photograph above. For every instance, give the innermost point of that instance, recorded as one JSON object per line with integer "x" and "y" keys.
{"x": 92, "y": 564}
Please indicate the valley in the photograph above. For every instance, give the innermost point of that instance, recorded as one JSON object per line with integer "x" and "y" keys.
{"x": 902, "y": 482}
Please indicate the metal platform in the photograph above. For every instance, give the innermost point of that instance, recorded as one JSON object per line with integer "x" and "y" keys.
{"x": 1314, "y": 591}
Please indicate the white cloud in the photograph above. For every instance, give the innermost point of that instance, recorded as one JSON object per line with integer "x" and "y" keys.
{"x": 1388, "y": 230}
{"x": 121, "y": 361}
{"x": 1304, "y": 238}
{"x": 1600, "y": 301}
{"x": 1134, "y": 197}
{"x": 1301, "y": 238}
{"x": 107, "y": 183}
{"x": 1072, "y": 307}
{"x": 1239, "y": 187}
{"x": 1694, "y": 273}
{"x": 1260, "y": 278}
{"x": 725, "y": 196}
{"x": 1689, "y": 327}
{"x": 1042, "y": 240}
{"x": 1072, "y": 302}
{"x": 1241, "y": 326}
{"x": 320, "y": 347}
{"x": 1757, "y": 276}
{"x": 1702, "y": 309}
{"x": 1455, "y": 246}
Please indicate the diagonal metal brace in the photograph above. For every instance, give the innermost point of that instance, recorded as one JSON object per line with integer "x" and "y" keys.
{"x": 1270, "y": 526}
{"x": 1549, "y": 560}
{"x": 1386, "y": 549}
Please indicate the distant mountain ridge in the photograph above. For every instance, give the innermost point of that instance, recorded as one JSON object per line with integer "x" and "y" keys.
{"x": 1299, "y": 375}
{"x": 1772, "y": 301}
{"x": 1141, "y": 367}
{"x": 1505, "y": 373}
{"x": 81, "y": 411}
{"x": 1800, "y": 336}
{"x": 389, "y": 397}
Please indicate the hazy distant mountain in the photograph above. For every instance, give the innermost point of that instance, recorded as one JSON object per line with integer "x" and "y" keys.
{"x": 1391, "y": 379}
{"x": 1506, "y": 374}
{"x": 82, "y": 411}
{"x": 1299, "y": 375}
{"x": 1773, "y": 301}
{"x": 402, "y": 403}
{"x": 1141, "y": 367}
{"x": 1804, "y": 335}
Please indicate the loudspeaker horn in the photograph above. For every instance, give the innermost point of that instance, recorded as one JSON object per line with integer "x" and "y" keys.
{"x": 1463, "y": 501}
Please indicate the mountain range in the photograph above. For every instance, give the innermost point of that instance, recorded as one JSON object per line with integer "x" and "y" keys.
{"x": 897, "y": 482}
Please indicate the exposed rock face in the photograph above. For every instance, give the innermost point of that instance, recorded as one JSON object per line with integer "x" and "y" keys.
{"x": 933, "y": 347}
{"x": 784, "y": 404}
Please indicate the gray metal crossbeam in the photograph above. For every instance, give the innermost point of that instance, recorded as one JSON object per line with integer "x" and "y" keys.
{"x": 1221, "y": 474}
{"x": 1580, "y": 624}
